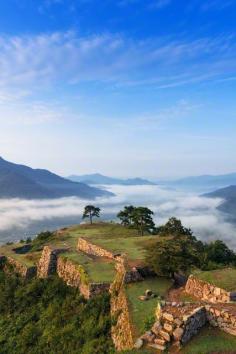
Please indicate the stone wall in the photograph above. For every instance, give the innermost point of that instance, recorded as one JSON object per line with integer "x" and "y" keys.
{"x": 223, "y": 318}
{"x": 47, "y": 264}
{"x": 89, "y": 248}
{"x": 174, "y": 326}
{"x": 121, "y": 332}
{"x": 23, "y": 270}
{"x": 206, "y": 291}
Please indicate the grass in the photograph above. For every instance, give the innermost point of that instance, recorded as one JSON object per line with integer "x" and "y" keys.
{"x": 210, "y": 340}
{"x": 222, "y": 278}
{"x": 28, "y": 259}
{"x": 142, "y": 310}
{"x": 98, "y": 269}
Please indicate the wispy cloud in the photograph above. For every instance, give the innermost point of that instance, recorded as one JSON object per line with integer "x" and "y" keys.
{"x": 65, "y": 57}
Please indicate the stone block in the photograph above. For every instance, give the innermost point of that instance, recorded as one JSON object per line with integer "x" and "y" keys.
{"x": 167, "y": 316}
{"x": 178, "y": 333}
{"x": 165, "y": 335}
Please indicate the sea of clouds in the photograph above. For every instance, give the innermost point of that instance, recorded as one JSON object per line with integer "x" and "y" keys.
{"x": 19, "y": 218}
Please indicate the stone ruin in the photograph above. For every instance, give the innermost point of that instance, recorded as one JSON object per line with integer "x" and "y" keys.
{"x": 148, "y": 295}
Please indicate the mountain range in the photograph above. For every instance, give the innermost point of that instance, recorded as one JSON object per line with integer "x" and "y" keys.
{"x": 204, "y": 182}
{"x": 228, "y": 195}
{"x": 19, "y": 181}
{"x": 98, "y": 178}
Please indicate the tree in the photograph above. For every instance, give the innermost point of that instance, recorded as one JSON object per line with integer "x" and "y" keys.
{"x": 176, "y": 255}
{"x": 126, "y": 214}
{"x": 173, "y": 227}
{"x": 90, "y": 211}
{"x": 219, "y": 253}
{"x": 142, "y": 220}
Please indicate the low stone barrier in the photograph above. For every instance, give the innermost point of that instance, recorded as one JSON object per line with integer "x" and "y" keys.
{"x": 206, "y": 291}
{"x": 23, "y": 270}
{"x": 89, "y": 248}
{"x": 174, "y": 325}
{"x": 223, "y": 318}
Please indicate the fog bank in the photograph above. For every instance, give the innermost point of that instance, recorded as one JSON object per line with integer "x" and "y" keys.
{"x": 22, "y": 217}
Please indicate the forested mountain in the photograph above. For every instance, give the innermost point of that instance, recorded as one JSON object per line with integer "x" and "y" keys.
{"x": 19, "y": 181}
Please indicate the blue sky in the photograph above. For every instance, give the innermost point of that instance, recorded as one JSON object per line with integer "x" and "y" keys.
{"x": 122, "y": 87}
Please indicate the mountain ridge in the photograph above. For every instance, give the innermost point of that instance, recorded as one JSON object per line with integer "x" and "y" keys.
{"x": 97, "y": 178}
{"x": 228, "y": 194}
{"x": 20, "y": 181}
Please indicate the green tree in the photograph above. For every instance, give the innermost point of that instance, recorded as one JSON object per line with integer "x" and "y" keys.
{"x": 173, "y": 227}
{"x": 176, "y": 255}
{"x": 91, "y": 211}
{"x": 219, "y": 253}
{"x": 126, "y": 214}
{"x": 142, "y": 219}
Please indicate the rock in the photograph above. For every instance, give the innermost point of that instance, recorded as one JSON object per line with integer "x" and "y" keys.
{"x": 138, "y": 344}
{"x": 178, "y": 332}
{"x": 143, "y": 298}
{"x": 178, "y": 322}
{"x": 148, "y": 337}
{"x": 165, "y": 335}
{"x": 217, "y": 312}
{"x": 148, "y": 293}
{"x": 157, "y": 346}
{"x": 168, "y": 317}
{"x": 168, "y": 327}
{"x": 156, "y": 327}
{"x": 159, "y": 341}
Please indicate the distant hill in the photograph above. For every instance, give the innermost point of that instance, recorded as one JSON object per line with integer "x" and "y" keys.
{"x": 97, "y": 178}
{"x": 19, "y": 181}
{"x": 229, "y": 196}
{"x": 204, "y": 182}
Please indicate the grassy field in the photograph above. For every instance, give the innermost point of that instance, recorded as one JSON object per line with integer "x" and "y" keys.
{"x": 211, "y": 340}
{"x": 113, "y": 237}
{"x": 223, "y": 278}
{"x": 98, "y": 269}
{"x": 142, "y": 310}
{"x": 27, "y": 259}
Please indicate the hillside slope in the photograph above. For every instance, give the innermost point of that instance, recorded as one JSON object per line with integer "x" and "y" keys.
{"x": 228, "y": 194}
{"x": 19, "y": 181}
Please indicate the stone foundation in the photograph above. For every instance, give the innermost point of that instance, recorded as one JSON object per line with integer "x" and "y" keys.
{"x": 207, "y": 292}
{"x": 89, "y": 248}
{"x": 21, "y": 269}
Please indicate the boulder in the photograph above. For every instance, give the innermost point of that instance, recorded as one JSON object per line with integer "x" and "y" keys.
{"x": 138, "y": 344}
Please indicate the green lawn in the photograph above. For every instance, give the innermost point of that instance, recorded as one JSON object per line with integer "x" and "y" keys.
{"x": 223, "y": 278}
{"x": 142, "y": 310}
{"x": 210, "y": 340}
{"x": 98, "y": 269}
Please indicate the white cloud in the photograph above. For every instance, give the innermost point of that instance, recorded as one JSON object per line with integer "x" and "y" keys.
{"x": 196, "y": 212}
{"x": 69, "y": 58}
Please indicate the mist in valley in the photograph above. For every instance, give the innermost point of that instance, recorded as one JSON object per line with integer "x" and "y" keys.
{"x": 21, "y": 218}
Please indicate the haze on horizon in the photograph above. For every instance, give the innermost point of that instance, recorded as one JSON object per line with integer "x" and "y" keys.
{"x": 123, "y": 87}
